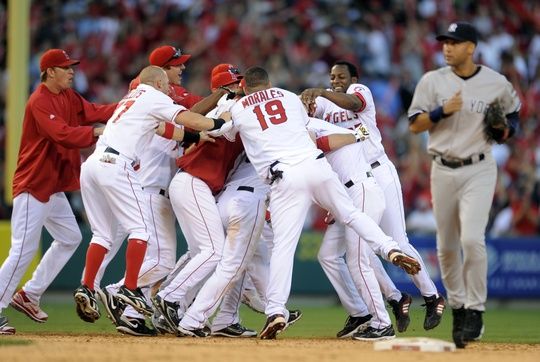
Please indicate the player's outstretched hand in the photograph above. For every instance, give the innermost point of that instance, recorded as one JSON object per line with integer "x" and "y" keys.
{"x": 204, "y": 137}
{"x": 226, "y": 116}
{"x": 308, "y": 98}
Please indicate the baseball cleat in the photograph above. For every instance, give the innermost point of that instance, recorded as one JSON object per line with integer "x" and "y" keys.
{"x": 5, "y": 329}
{"x": 87, "y": 307}
{"x": 160, "y": 324}
{"x": 473, "y": 328}
{"x": 374, "y": 334}
{"x": 434, "y": 311}
{"x": 294, "y": 316}
{"x": 404, "y": 261}
{"x": 197, "y": 333}
{"x": 136, "y": 299}
{"x": 458, "y": 316}
{"x": 354, "y": 325}
{"x": 113, "y": 306}
{"x": 169, "y": 311}
{"x": 24, "y": 305}
{"x": 274, "y": 325}
{"x": 134, "y": 327}
{"x": 401, "y": 311}
{"x": 235, "y": 331}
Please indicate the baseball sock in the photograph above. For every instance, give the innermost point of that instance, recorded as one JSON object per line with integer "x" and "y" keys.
{"x": 134, "y": 258}
{"x": 94, "y": 257}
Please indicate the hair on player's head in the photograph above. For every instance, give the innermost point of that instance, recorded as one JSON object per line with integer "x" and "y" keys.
{"x": 256, "y": 77}
{"x": 151, "y": 74}
{"x": 353, "y": 71}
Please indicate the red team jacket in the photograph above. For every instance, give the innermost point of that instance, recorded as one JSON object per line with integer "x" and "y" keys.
{"x": 49, "y": 158}
{"x": 212, "y": 162}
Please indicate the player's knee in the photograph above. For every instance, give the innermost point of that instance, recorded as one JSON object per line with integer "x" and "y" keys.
{"x": 72, "y": 238}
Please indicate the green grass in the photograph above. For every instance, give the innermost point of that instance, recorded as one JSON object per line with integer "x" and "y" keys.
{"x": 13, "y": 342}
{"x": 502, "y": 324}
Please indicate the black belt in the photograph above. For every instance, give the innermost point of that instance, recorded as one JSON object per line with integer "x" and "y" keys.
{"x": 111, "y": 150}
{"x": 245, "y": 188}
{"x": 375, "y": 164}
{"x": 162, "y": 192}
{"x": 350, "y": 183}
{"x": 320, "y": 156}
{"x": 459, "y": 163}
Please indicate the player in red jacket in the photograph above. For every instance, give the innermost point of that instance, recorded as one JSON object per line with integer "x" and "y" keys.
{"x": 57, "y": 123}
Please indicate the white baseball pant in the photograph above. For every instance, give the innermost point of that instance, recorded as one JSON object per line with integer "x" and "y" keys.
{"x": 242, "y": 211}
{"x": 393, "y": 224}
{"x": 197, "y": 213}
{"x": 312, "y": 180}
{"x": 28, "y": 218}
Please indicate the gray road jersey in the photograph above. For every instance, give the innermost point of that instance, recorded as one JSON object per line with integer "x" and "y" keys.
{"x": 460, "y": 135}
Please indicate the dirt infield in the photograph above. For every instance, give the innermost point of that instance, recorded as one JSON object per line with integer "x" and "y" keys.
{"x": 125, "y": 348}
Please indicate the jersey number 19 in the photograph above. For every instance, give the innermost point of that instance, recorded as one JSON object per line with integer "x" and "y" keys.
{"x": 275, "y": 113}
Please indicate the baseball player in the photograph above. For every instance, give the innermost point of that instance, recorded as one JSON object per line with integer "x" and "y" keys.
{"x": 347, "y": 105}
{"x": 55, "y": 126}
{"x": 172, "y": 60}
{"x": 111, "y": 189}
{"x": 272, "y": 124}
{"x": 450, "y": 104}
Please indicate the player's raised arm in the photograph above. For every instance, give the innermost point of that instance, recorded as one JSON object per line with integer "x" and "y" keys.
{"x": 201, "y": 123}
{"x": 170, "y": 131}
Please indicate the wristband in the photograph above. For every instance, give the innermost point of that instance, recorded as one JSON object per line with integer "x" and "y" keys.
{"x": 169, "y": 130}
{"x": 218, "y": 122}
{"x": 437, "y": 114}
{"x": 190, "y": 137}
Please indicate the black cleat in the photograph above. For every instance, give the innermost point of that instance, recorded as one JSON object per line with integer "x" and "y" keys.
{"x": 197, "y": 333}
{"x": 87, "y": 307}
{"x": 354, "y": 325}
{"x": 5, "y": 328}
{"x": 294, "y": 316}
{"x": 373, "y": 334}
{"x": 113, "y": 306}
{"x": 434, "y": 311}
{"x": 458, "y": 316}
{"x": 136, "y": 299}
{"x": 235, "y": 331}
{"x": 401, "y": 311}
{"x": 135, "y": 327}
{"x": 473, "y": 328}
{"x": 274, "y": 325}
{"x": 168, "y": 310}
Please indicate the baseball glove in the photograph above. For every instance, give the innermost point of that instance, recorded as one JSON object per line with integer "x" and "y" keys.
{"x": 495, "y": 123}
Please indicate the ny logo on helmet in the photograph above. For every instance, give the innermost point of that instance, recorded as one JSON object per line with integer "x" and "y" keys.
{"x": 452, "y": 28}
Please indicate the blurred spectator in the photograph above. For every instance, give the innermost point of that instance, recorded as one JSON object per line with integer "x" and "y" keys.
{"x": 421, "y": 220}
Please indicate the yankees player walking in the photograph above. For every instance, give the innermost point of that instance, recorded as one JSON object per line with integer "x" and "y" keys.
{"x": 347, "y": 105}
{"x": 49, "y": 164}
{"x": 111, "y": 189}
{"x": 272, "y": 124}
{"x": 450, "y": 104}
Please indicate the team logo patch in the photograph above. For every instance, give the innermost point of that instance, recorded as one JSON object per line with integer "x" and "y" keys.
{"x": 452, "y": 28}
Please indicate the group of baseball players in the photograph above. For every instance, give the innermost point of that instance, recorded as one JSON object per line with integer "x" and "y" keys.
{"x": 239, "y": 171}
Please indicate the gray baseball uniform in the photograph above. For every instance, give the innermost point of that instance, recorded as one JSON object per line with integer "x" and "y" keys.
{"x": 463, "y": 175}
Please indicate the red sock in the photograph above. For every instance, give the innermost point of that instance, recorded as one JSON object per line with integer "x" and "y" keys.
{"x": 134, "y": 258}
{"x": 94, "y": 258}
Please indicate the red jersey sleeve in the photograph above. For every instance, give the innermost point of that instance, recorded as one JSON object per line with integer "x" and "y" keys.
{"x": 93, "y": 112}
{"x": 53, "y": 127}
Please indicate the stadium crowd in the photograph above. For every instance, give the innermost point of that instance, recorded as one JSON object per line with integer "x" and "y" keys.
{"x": 392, "y": 42}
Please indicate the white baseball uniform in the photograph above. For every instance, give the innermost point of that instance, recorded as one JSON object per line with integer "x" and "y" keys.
{"x": 111, "y": 188}
{"x": 393, "y": 219}
{"x": 158, "y": 165}
{"x": 355, "y": 174}
{"x": 272, "y": 125}
{"x": 242, "y": 209}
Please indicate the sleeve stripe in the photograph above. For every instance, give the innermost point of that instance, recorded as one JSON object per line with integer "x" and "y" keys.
{"x": 364, "y": 103}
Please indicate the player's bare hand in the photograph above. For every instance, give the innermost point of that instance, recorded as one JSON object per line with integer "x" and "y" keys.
{"x": 98, "y": 131}
{"x": 308, "y": 96}
{"x": 226, "y": 116}
{"x": 204, "y": 137}
{"x": 454, "y": 104}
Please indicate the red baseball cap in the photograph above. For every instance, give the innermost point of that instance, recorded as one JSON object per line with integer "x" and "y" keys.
{"x": 167, "y": 55}
{"x": 225, "y": 78}
{"x": 56, "y": 58}
{"x": 224, "y": 67}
